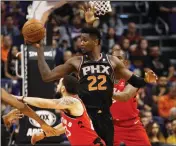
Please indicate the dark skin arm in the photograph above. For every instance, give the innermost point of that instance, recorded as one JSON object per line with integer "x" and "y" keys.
{"x": 59, "y": 71}
{"x": 121, "y": 72}
{"x": 11, "y": 100}
{"x": 128, "y": 92}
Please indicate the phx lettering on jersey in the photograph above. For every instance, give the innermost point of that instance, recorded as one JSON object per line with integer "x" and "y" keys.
{"x": 96, "y": 69}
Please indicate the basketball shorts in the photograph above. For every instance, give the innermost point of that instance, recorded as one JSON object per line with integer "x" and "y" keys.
{"x": 131, "y": 133}
{"x": 103, "y": 125}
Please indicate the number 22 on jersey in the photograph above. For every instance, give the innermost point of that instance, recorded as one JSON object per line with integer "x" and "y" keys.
{"x": 101, "y": 79}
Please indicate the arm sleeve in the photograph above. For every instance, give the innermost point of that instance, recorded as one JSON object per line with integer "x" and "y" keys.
{"x": 136, "y": 82}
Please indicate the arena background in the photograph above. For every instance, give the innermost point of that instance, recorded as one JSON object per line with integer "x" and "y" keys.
{"x": 136, "y": 27}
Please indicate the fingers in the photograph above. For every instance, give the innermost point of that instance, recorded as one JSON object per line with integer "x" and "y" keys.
{"x": 19, "y": 116}
{"x": 87, "y": 7}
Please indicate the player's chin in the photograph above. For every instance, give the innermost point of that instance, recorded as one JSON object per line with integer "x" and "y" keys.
{"x": 83, "y": 51}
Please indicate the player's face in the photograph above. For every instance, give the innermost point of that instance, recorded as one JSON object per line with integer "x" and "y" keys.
{"x": 120, "y": 55}
{"x": 87, "y": 43}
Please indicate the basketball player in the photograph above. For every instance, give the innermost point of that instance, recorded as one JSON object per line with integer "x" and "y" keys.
{"x": 96, "y": 72}
{"x": 76, "y": 123}
{"x": 127, "y": 125}
{"x": 11, "y": 100}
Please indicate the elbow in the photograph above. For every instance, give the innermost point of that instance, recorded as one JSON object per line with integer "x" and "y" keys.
{"x": 46, "y": 79}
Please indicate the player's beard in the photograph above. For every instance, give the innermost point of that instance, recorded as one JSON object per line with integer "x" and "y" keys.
{"x": 59, "y": 94}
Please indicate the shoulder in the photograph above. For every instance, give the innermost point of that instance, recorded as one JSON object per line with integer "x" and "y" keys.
{"x": 67, "y": 101}
{"x": 73, "y": 59}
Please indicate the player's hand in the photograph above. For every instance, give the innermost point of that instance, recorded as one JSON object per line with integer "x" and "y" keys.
{"x": 49, "y": 131}
{"x": 37, "y": 137}
{"x": 12, "y": 115}
{"x": 89, "y": 13}
{"x": 150, "y": 77}
{"x": 38, "y": 45}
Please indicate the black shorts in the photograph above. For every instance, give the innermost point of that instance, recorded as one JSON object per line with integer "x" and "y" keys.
{"x": 103, "y": 125}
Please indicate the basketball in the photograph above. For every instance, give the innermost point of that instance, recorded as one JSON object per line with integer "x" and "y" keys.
{"x": 33, "y": 31}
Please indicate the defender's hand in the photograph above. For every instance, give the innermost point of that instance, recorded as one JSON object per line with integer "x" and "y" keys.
{"x": 38, "y": 45}
{"x": 89, "y": 13}
{"x": 49, "y": 131}
{"x": 12, "y": 115}
{"x": 37, "y": 137}
{"x": 150, "y": 77}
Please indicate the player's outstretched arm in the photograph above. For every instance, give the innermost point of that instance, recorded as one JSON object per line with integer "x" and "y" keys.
{"x": 62, "y": 103}
{"x": 58, "y": 72}
{"x": 40, "y": 135}
{"x": 48, "y": 12}
{"x": 127, "y": 93}
{"x": 123, "y": 73}
{"x": 9, "y": 99}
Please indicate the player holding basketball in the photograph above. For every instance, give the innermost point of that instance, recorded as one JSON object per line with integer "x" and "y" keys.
{"x": 96, "y": 72}
{"x": 76, "y": 123}
{"x": 11, "y": 100}
{"x": 127, "y": 125}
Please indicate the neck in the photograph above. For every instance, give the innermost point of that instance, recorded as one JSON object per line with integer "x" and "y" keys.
{"x": 95, "y": 54}
{"x": 67, "y": 94}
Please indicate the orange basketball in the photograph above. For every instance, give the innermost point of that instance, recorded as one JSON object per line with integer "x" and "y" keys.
{"x": 33, "y": 31}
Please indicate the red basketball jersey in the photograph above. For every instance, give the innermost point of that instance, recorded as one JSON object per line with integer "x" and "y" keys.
{"x": 123, "y": 110}
{"x": 79, "y": 130}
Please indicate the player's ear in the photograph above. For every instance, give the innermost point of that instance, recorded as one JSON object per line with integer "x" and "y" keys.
{"x": 63, "y": 89}
{"x": 96, "y": 41}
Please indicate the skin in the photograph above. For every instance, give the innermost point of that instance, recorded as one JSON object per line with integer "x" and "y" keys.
{"x": 11, "y": 100}
{"x": 12, "y": 115}
{"x": 129, "y": 90}
{"x": 91, "y": 47}
{"x": 66, "y": 103}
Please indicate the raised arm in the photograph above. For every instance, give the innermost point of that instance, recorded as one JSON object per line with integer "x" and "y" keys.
{"x": 9, "y": 99}
{"x": 127, "y": 93}
{"x": 58, "y": 72}
{"x": 122, "y": 72}
{"x": 62, "y": 103}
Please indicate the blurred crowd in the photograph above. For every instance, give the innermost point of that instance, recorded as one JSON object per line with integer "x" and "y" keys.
{"x": 157, "y": 102}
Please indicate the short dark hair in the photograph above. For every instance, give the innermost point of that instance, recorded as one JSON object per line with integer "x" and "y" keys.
{"x": 92, "y": 32}
{"x": 71, "y": 84}
{"x": 125, "y": 54}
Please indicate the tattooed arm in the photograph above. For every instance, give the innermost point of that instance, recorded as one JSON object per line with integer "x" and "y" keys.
{"x": 62, "y": 103}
